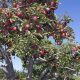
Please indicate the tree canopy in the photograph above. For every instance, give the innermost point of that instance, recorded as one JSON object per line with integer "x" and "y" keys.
{"x": 24, "y": 31}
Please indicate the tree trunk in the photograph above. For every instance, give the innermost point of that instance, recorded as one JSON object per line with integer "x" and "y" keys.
{"x": 10, "y": 74}
{"x": 9, "y": 67}
{"x": 30, "y": 68}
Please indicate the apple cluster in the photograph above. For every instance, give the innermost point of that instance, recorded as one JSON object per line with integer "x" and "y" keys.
{"x": 60, "y": 32}
{"x": 50, "y": 9}
{"x": 40, "y": 52}
{"x": 13, "y": 18}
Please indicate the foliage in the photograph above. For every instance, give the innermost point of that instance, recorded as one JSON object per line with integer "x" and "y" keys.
{"x": 25, "y": 30}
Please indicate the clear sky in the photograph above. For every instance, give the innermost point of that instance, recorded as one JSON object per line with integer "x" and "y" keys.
{"x": 68, "y": 7}
{"x": 17, "y": 63}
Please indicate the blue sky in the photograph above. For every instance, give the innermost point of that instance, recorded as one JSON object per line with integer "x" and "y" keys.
{"x": 68, "y": 7}
{"x": 17, "y": 63}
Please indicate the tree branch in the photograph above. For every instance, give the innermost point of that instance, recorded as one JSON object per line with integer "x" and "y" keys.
{"x": 43, "y": 74}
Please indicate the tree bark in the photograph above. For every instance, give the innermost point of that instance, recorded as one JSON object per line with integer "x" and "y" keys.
{"x": 9, "y": 67}
{"x": 10, "y": 74}
{"x": 30, "y": 68}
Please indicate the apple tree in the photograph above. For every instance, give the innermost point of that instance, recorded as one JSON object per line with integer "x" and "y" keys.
{"x": 25, "y": 29}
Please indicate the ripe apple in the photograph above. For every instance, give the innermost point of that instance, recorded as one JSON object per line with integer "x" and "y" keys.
{"x": 20, "y": 14}
{"x": 63, "y": 35}
{"x": 52, "y": 3}
{"x": 62, "y": 30}
{"x": 47, "y": 9}
{"x": 14, "y": 4}
{"x": 38, "y": 28}
{"x": 14, "y": 28}
{"x": 27, "y": 26}
{"x": 68, "y": 34}
{"x": 35, "y": 18}
{"x": 53, "y": 35}
{"x": 59, "y": 42}
{"x": 42, "y": 52}
{"x": 44, "y": 12}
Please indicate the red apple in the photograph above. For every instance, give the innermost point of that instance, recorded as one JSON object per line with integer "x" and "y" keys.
{"x": 20, "y": 14}
{"x": 14, "y": 28}
{"x": 53, "y": 4}
{"x": 62, "y": 30}
{"x": 14, "y": 4}
{"x": 35, "y": 18}
{"x": 44, "y": 12}
{"x": 27, "y": 26}
{"x": 47, "y": 9}
{"x": 63, "y": 35}
{"x": 59, "y": 42}
{"x": 42, "y": 52}
{"x": 53, "y": 35}
{"x": 38, "y": 28}
{"x": 68, "y": 34}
